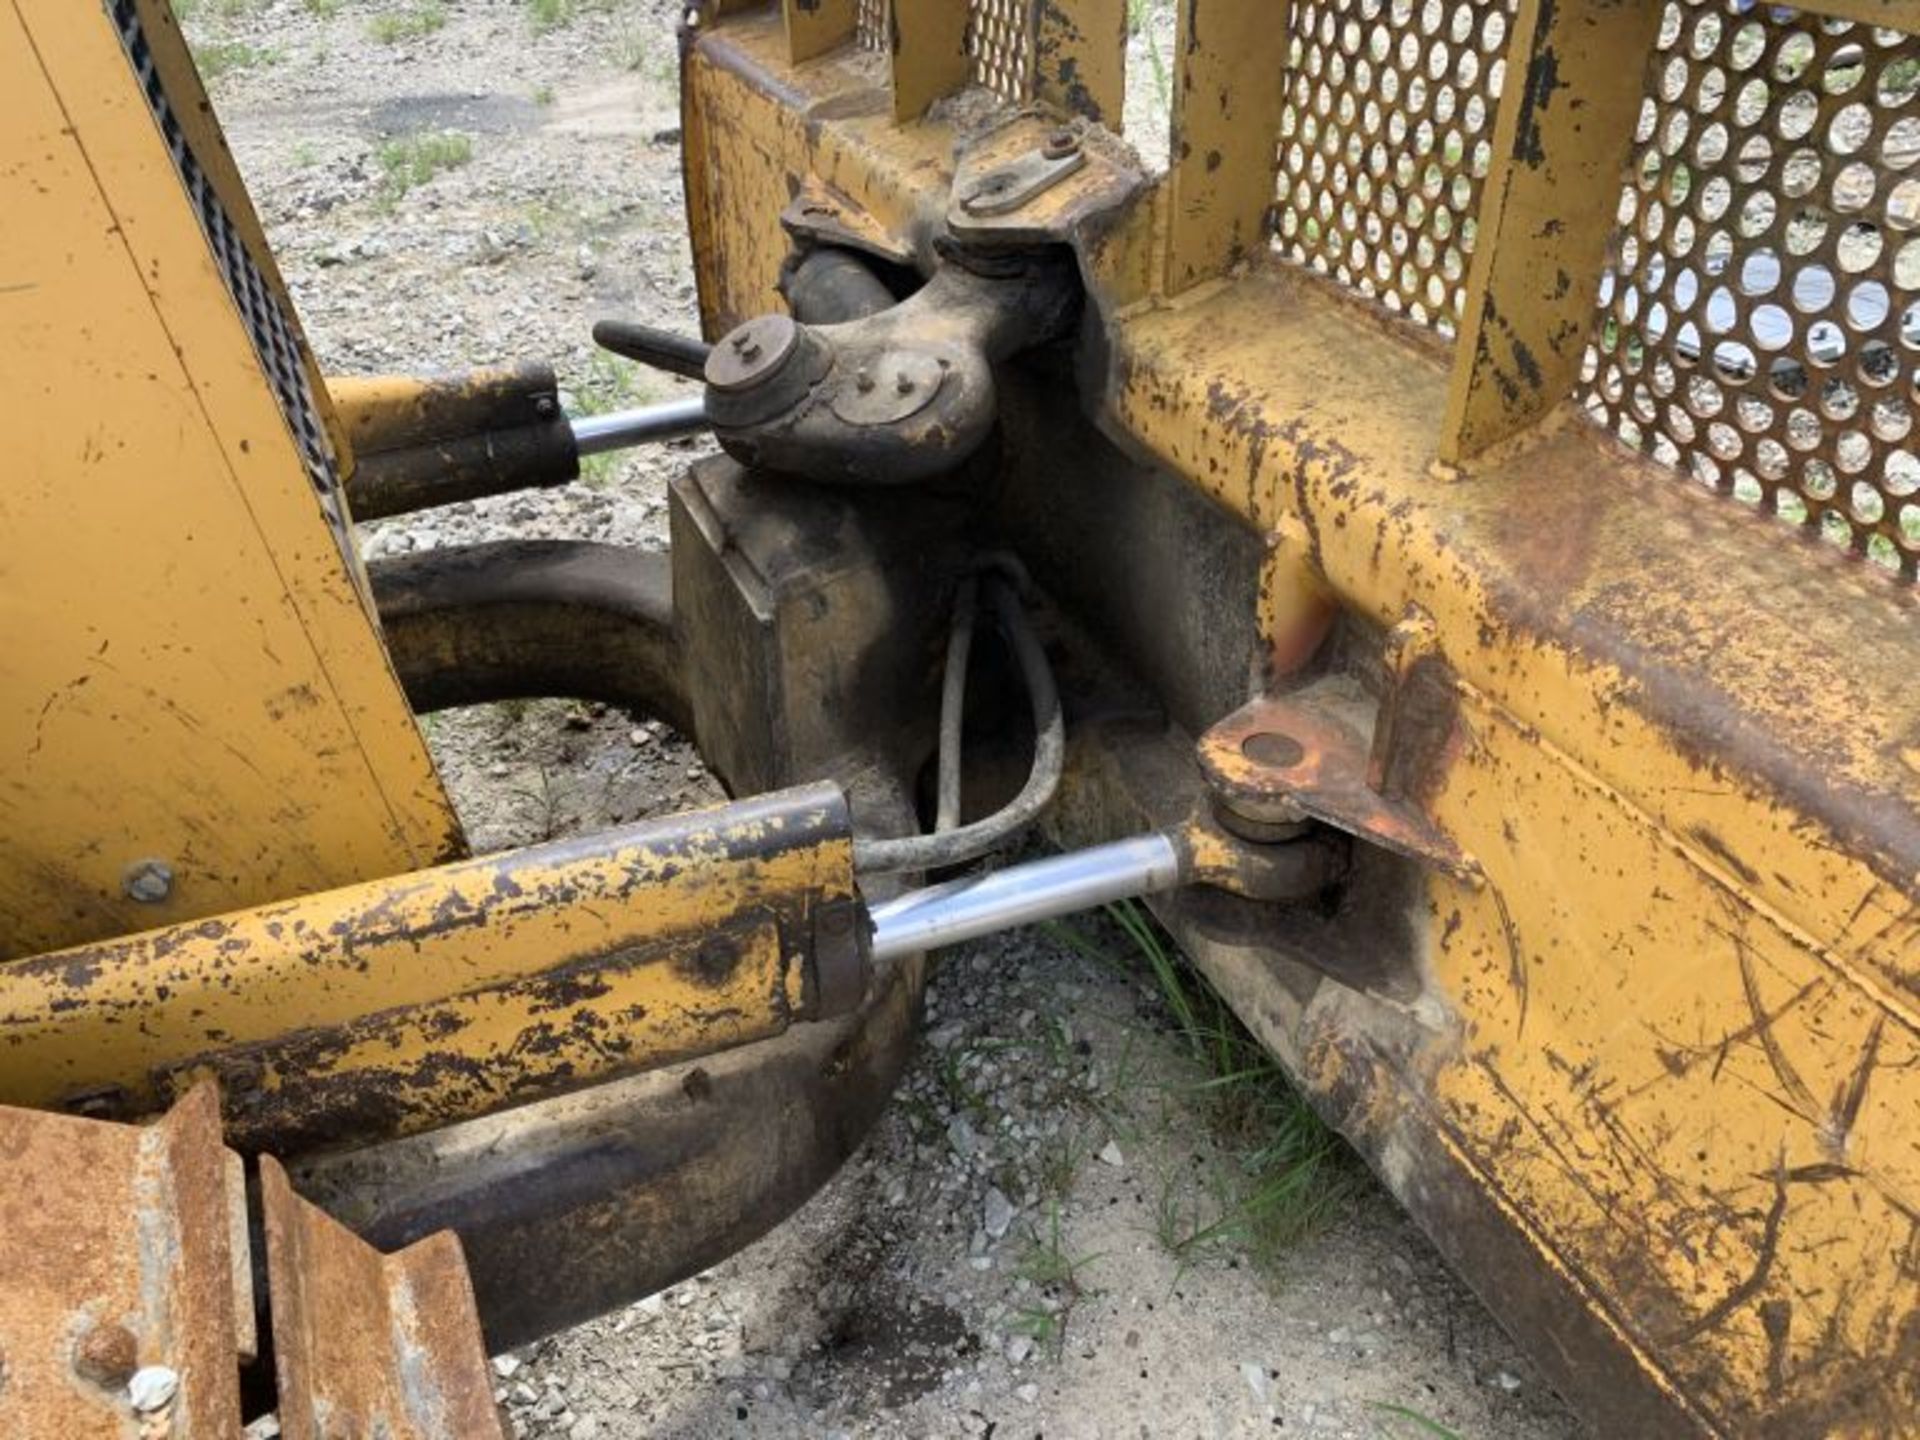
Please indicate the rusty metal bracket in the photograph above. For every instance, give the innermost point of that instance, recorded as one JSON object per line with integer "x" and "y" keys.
{"x": 821, "y": 215}
{"x": 1319, "y": 753}
{"x": 1032, "y": 181}
{"x": 127, "y": 1305}
{"x": 128, "y": 1308}
{"x": 388, "y": 1344}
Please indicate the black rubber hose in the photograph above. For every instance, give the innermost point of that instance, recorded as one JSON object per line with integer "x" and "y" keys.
{"x": 953, "y": 705}
{"x": 970, "y": 842}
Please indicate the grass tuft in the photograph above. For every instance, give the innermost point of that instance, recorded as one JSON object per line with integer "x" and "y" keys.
{"x": 552, "y": 14}
{"x": 1055, "y": 1274}
{"x": 1421, "y": 1423}
{"x": 228, "y": 57}
{"x": 395, "y": 27}
{"x": 412, "y": 160}
{"x": 1289, "y": 1172}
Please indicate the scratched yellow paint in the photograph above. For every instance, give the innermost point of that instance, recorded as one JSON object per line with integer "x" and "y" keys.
{"x": 444, "y": 965}
{"x": 1683, "y": 762}
{"x": 1716, "y": 1174}
{"x": 191, "y": 672}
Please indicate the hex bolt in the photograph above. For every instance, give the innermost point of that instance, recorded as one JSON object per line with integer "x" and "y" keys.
{"x": 546, "y": 407}
{"x": 863, "y": 382}
{"x": 903, "y": 384}
{"x": 750, "y": 352}
{"x": 106, "y": 1354}
{"x": 148, "y": 882}
{"x": 1060, "y": 144}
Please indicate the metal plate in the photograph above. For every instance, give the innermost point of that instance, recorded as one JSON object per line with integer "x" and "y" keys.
{"x": 1296, "y": 749}
{"x": 371, "y": 1344}
{"x": 117, "y": 1244}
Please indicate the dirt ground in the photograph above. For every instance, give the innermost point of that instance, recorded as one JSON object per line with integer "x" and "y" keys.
{"x": 1013, "y": 1253}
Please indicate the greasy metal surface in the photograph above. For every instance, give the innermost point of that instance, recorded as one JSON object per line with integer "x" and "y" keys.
{"x": 155, "y": 493}
{"x": 1308, "y": 751}
{"x": 398, "y": 1005}
{"x": 560, "y": 1205}
{"x": 117, "y": 1257}
{"x": 1010, "y": 185}
{"x": 1545, "y": 208}
{"x": 1060, "y": 181}
{"x": 1655, "y": 1066}
{"x": 1385, "y": 143}
{"x": 903, "y": 395}
{"x": 1761, "y": 307}
{"x": 519, "y": 619}
{"x": 370, "y": 1344}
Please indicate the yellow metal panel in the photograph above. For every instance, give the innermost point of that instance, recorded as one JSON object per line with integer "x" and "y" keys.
{"x": 193, "y": 674}
{"x": 1669, "y": 1020}
{"x": 817, "y": 26}
{"x": 1711, "y": 1116}
{"x": 1226, "y": 118}
{"x": 929, "y": 53}
{"x": 1563, "y": 131}
{"x": 1080, "y": 58}
{"x": 394, "y": 1006}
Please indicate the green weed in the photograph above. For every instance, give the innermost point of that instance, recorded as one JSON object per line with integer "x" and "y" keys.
{"x": 552, "y": 14}
{"x": 1288, "y": 1172}
{"x": 228, "y": 57}
{"x": 1421, "y": 1423}
{"x": 412, "y": 160}
{"x": 1056, "y": 1274}
{"x": 394, "y": 27}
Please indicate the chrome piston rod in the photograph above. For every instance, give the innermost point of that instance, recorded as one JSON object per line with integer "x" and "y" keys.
{"x": 622, "y": 429}
{"x": 1023, "y": 894}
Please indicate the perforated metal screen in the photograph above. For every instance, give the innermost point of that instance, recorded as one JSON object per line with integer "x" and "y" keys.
{"x": 267, "y": 322}
{"x": 1757, "y": 322}
{"x": 1000, "y": 42}
{"x": 870, "y": 24}
{"x": 1384, "y": 143}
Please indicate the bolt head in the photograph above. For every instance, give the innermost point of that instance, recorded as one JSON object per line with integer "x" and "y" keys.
{"x": 106, "y": 1354}
{"x": 148, "y": 882}
{"x": 903, "y": 384}
{"x": 863, "y": 382}
{"x": 1060, "y": 144}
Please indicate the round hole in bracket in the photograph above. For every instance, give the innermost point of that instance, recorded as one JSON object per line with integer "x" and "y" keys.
{"x": 1271, "y": 748}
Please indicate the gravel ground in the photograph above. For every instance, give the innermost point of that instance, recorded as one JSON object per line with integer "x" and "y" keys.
{"x": 1003, "y": 1257}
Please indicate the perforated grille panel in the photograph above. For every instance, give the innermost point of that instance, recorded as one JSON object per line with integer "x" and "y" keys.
{"x": 1384, "y": 143}
{"x": 870, "y": 24}
{"x": 266, "y": 321}
{"x": 1000, "y": 40}
{"x": 1757, "y": 325}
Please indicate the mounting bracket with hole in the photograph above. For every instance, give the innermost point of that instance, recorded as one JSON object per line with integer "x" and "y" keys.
{"x": 1329, "y": 753}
